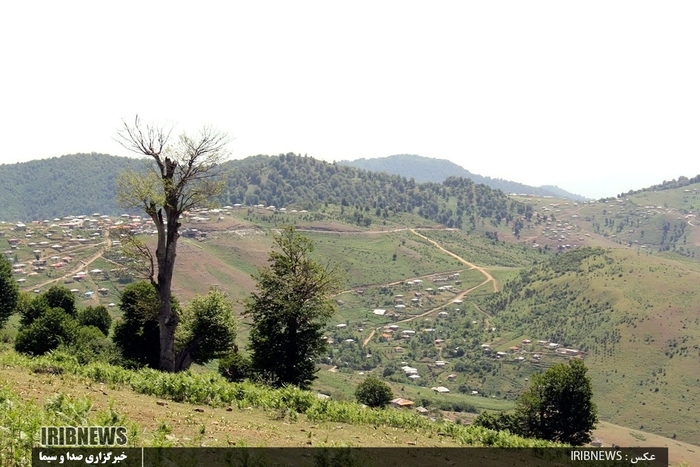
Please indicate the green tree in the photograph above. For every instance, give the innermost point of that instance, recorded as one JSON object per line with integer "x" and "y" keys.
{"x": 32, "y": 309}
{"x": 558, "y": 405}
{"x": 291, "y": 306}
{"x": 9, "y": 291}
{"x": 60, "y": 297}
{"x": 207, "y": 330}
{"x": 182, "y": 178}
{"x": 53, "y": 328}
{"x": 234, "y": 366}
{"x": 136, "y": 334}
{"x": 96, "y": 316}
{"x": 373, "y": 392}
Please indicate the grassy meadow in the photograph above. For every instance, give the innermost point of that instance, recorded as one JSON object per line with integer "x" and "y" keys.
{"x": 631, "y": 310}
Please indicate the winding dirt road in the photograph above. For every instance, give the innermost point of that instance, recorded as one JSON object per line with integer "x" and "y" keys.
{"x": 459, "y": 296}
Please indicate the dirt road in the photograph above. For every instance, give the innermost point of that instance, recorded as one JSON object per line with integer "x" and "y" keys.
{"x": 459, "y": 296}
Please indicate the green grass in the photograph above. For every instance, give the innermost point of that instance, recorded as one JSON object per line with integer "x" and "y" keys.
{"x": 210, "y": 389}
{"x": 369, "y": 259}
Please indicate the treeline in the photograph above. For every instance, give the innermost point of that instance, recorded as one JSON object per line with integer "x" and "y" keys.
{"x": 665, "y": 185}
{"x": 69, "y": 185}
{"x": 86, "y": 183}
{"x": 302, "y": 182}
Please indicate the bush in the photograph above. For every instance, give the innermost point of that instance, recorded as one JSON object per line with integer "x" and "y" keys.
{"x": 46, "y": 333}
{"x": 234, "y": 367}
{"x": 373, "y": 392}
{"x": 504, "y": 421}
{"x": 96, "y": 316}
{"x": 91, "y": 345}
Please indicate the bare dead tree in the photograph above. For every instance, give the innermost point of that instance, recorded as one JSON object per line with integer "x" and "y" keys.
{"x": 184, "y": 176}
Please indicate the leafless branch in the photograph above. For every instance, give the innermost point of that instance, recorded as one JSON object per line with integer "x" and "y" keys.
{"x": 149, "y": 141}
{"x": 140, "y": 258}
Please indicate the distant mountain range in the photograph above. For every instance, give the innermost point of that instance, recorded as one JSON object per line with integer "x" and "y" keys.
{"x": 426, "y": 169}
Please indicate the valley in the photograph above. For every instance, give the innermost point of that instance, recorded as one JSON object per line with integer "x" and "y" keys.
{"x": 455, "y": 319}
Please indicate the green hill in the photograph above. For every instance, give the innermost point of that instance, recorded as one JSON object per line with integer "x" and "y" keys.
{"x": 85, "y": 183}
{"x": 633, "y": 317}
{"x": 60, "y": 186}
{"x": 426, "y": 169}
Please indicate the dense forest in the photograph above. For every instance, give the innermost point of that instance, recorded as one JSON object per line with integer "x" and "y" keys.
{"x": 60, "y": 186}
{"x": 305, "y": 183}
{"x": 86, "y": 183}
{"x": 426, "y": 169}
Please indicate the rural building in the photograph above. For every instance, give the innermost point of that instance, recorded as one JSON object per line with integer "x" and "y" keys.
{"x": 401, "y": 403}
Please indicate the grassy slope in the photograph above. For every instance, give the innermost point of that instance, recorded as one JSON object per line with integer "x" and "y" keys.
{"x": 227, "y": 259}
{"x": 642, "y": 348}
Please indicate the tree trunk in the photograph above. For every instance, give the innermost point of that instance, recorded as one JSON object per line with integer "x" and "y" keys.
{"x": 167, "y": 319}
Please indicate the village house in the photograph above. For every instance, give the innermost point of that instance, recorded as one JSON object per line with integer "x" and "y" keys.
{"x": 401, "y": 403}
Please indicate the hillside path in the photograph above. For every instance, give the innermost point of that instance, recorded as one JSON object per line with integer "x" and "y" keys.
{"x": 459, "y": 296}
{"x": 83, "y": 264}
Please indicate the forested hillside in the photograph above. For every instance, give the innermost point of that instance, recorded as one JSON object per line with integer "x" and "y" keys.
{"x": 306, "y": 183}
{"x": 85, "y": 183}
{"x": 73, "y": 184}
{"x": 426, "y": 169}
{"x": 632, "y": 316}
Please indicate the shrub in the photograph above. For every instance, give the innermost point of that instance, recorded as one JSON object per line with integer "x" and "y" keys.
{"x": 91, "y": 345}
{"x": 373, "y": 392}
{"x": 97, "y": 316}
{"x": 234, "y": 367}
{"x": 46, "y": 333}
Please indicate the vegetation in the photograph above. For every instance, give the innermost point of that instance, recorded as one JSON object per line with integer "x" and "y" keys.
{"x": 288, "y": 180}
{"x": 9, "y": 291}
{"x": 47, "y": 332}
{"x": 425, "y": 169}
{"x": 289, "y": 310}
{"x": 136, "y": 334}
{"x": 628, "y": 311}
{"x": 207, "y": 329}
{"x": 557, "y": 406}
{"x": 96, "y": 316}
{"x": 182, "y": 179}
{"x": 58, "y": 186}
{"x": 373, "y": 392}
{"x": 680, "y": 182}
{"x": 213, "y": 390}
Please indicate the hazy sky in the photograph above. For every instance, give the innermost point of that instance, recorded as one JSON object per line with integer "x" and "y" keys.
{"x": 597, "y": 97}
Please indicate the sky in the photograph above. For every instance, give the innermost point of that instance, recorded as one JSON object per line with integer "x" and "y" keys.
{"x": 596, "y": 97}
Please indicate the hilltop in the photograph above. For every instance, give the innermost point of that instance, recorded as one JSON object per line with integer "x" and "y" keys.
{"x": 426, "y": 169}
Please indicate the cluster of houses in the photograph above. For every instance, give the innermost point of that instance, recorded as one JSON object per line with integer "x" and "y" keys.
{"x": 520, "y": 351}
